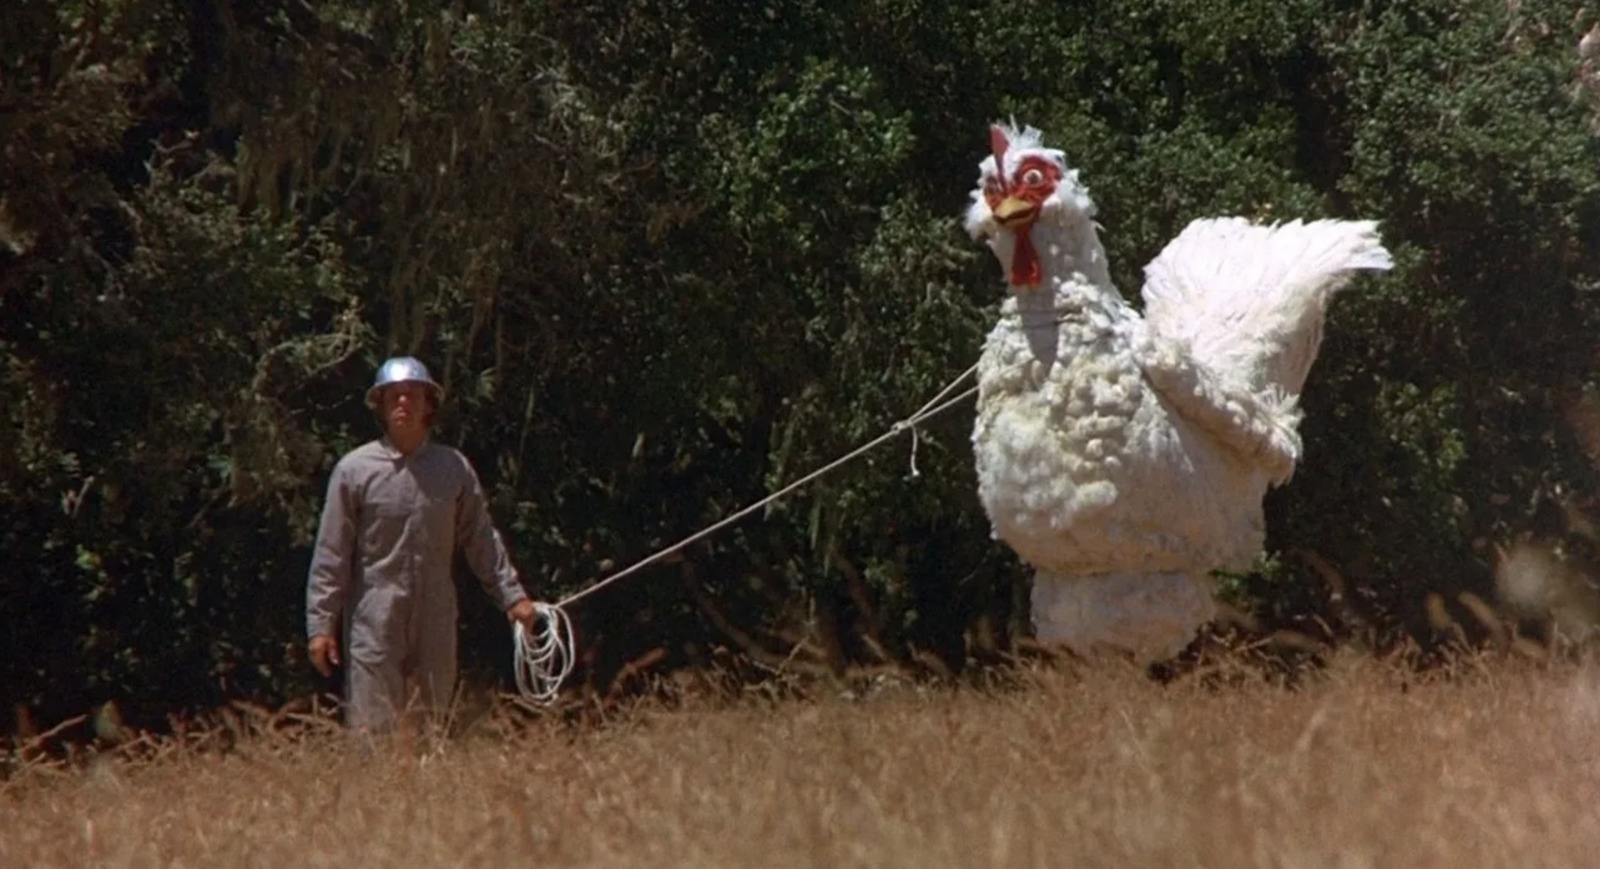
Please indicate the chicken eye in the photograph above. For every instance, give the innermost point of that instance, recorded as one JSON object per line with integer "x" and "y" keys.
{"x": 1033, "y": 178}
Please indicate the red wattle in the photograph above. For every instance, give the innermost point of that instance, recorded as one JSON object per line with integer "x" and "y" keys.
{"x": 1025, "y": 260}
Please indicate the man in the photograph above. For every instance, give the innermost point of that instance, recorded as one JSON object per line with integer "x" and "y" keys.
{"x": 396, "y": 510}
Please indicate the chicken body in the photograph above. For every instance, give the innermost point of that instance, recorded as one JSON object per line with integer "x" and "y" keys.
{"x": 1126, "y": 458}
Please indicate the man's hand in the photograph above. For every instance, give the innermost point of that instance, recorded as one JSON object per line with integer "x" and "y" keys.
{"x": 324, "y": 653}
{"x": 524, "y": 611}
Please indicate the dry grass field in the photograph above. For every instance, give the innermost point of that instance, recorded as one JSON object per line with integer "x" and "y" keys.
{"x": 1497, "y": 764}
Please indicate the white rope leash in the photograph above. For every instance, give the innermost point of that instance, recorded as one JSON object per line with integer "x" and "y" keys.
{"x": 544, "y": 657}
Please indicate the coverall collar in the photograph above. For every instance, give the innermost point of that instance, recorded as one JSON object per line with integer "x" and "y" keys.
{"x": 392, "y": 452}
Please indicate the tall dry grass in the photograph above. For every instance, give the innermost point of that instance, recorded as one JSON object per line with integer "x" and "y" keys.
{"x": 1089, "y": 766}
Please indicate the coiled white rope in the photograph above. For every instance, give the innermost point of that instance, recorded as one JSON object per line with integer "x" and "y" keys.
{"x": 544, "y": 657}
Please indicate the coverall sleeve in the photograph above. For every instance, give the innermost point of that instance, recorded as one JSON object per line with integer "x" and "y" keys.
{"x": 328, "y": 582}
{"x": 485, "y": 550}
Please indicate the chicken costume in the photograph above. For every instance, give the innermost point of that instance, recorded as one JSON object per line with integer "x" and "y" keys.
{"x": 1125, "y": 457}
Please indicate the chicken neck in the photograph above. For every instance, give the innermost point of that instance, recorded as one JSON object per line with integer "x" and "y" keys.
{"x": 1073, "y": 278}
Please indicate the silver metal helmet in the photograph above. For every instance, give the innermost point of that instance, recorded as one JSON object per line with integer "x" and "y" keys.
{"x": 403, "y": 369}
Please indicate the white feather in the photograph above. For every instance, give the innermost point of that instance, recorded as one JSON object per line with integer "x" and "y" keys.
{"x": 1248, "y": 301}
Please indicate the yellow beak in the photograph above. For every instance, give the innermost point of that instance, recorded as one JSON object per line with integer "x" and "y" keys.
{"x": 1012, "y": 210}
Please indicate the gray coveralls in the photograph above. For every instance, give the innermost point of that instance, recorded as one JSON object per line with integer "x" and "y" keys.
{"x": 383, "y": 555}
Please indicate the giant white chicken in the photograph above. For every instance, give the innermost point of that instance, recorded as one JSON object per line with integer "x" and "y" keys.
{"x": 1125, "y": 457}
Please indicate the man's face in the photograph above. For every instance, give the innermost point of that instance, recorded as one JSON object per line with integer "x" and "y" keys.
{"x": 405, "y": 406}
